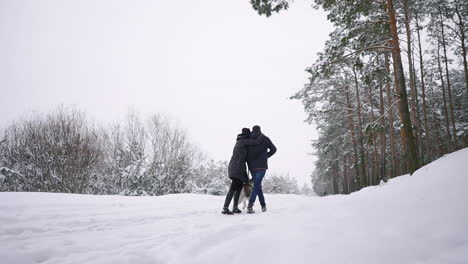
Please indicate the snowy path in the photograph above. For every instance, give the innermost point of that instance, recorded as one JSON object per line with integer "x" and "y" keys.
{"x": 417, "y": 219}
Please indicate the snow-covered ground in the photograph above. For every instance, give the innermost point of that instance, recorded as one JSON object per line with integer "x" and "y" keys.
{"x": 412, "y": 219}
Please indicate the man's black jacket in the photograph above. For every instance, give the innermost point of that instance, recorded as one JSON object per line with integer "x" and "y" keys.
{"x": 257, "y": 155}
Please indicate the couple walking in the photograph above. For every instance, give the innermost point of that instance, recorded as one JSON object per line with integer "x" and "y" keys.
{"x": 255, "y": 149}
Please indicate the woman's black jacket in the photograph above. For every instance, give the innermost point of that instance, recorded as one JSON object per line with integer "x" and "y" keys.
{"x": 237, "y": 168}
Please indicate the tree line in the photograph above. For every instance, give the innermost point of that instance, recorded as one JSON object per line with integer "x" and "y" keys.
{"x": 389, "y": 92}
{"x": 63, "y": 151}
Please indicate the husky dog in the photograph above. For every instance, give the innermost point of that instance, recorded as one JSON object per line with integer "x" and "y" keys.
{"x": 245, "y": 193}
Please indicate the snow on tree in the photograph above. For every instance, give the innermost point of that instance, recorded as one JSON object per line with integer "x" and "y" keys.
{"x": 280, "y": 184}
{"x": 375, "y": 80}
{"x": 211, "y": 178}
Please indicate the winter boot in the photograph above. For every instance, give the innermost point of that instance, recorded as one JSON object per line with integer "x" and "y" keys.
{"x": 250, "y": 209}
{"x": 236, "y": 210}
{"x": 226, "y": 211}
{"x": 264, "y": 209}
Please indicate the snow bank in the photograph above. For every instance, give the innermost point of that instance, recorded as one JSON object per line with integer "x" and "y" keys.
{"x": 412, "y": 219}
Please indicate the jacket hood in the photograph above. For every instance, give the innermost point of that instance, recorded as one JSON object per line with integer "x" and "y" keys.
{"x": 255, "y": 134}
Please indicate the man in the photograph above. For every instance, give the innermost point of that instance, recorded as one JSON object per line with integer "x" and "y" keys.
{"x": 257, "y": 159}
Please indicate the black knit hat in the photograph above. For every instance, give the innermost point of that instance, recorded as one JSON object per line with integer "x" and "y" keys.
{"x": 256, "y": 128}
{"x": 245, "y": 131}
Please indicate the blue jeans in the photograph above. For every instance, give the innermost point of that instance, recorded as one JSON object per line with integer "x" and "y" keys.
{"x": 257, "y": 177}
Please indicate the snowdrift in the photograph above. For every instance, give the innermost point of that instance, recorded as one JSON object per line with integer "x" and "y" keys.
{"x": 412, "y": 219}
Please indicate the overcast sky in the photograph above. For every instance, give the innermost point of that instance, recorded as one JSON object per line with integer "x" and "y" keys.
{"x": 213, "y": 65}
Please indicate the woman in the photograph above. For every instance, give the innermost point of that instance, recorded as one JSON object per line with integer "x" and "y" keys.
{"x": 237, "y": 170}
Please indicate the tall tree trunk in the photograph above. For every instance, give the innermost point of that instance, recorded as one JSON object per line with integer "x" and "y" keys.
{"x": 423, "y": 90}
{"x": 352, "y": 177}
{"x": 461, "y": 26}
{"x": 438, "y": 141}
{"x": 412, "y": 153}
{"x": 336, "y": 188}
{"x": 414, "y": 94}
{"x": 395, "y": 168}
{"x": 400, "y": 114}
{"x": 447, "y": 125}
{"x": 403, "y": 165}
{"x": 382, "y": 162}
{"x": 361, "y": 136}
{"x": 449, "y": 88}
{"x": 345, "y": 175}
{"x": 353, "y": 137}
{"x": 374, "y": 176}
{"x": 418, "y": 119}
{"x": 336, "y": 173}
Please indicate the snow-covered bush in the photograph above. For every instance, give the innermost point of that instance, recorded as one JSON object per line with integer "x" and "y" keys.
{"x": 280, "y": 184}
{"x": 62, "y": 152}
{"x": 57, "y": 152}
{"x": 211, "y": 178}
{"x": 11, "y": 180}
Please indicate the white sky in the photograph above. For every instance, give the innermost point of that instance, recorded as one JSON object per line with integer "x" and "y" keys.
{"x": 213, "y": 65}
